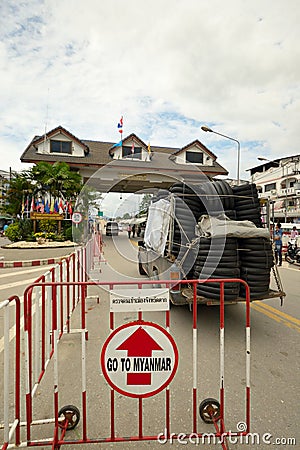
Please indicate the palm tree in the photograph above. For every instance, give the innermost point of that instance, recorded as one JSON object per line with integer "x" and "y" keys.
{"x": 57, "y": 179}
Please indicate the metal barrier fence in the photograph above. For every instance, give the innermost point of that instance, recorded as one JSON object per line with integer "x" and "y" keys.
{"x": 56, "y": 303}
{"x": 70, "y": 271}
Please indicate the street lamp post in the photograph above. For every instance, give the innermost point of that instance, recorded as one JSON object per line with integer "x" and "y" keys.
{"x": 207, "y": 129}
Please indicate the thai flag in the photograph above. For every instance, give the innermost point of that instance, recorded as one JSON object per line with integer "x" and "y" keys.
{"x": 60, "y": 206}
{"x": 120, "y": 125}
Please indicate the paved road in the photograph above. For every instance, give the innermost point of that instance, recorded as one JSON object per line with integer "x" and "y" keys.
{"x": 274, "y": 368}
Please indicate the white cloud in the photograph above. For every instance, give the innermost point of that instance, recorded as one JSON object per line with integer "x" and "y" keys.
{"x": 167, "y": 66}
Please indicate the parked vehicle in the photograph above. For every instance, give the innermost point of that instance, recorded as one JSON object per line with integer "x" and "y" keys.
{"x": 293, "y": 252}
{"x": 112, "y": 229}
{"x": 190, "y": 236}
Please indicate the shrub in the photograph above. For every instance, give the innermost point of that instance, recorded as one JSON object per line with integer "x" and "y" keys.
{"x": 25, "y": 228}
{"x": 68, "y": 233}
{"x": 13, "y": 232}
{"x": 48, "y": 225}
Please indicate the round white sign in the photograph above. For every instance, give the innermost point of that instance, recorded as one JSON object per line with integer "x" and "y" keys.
{"x": 76, "y": 217}
{"x": 139, "y": 359}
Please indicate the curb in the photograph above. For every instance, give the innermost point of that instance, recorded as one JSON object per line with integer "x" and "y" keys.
{"x": 38, "y": 262}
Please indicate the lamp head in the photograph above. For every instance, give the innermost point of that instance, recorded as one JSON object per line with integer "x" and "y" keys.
{"x": 206, "y": 129}
{"x": 261, "y": 158}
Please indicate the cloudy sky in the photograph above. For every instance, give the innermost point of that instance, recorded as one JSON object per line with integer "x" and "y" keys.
{"x": 167, "y": 66}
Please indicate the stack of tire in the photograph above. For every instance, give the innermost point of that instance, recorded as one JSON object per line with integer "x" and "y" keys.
{"x": 217, "y": 258}
{"x": 248, "y": 259}
{"x": 184, "y": 236}
{"x": 190, "y": 197}
{"x": 246, "y": 203}
{"x": 256, "y": 261}
{"x": 183, "y": 233}
{"x": 225, "y": 193}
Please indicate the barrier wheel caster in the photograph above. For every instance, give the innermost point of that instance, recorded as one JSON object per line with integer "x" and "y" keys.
{"x": 209, "y": 410}
{"x": 69, "y": 414}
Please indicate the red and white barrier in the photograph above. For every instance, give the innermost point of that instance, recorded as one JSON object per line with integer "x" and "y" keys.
{"x": 55, "y": 295}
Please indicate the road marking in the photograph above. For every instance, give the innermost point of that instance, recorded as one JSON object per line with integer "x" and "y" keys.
{"x": 280, "y": 313}
{"x": 12, "y": 333}
{"x": 278, "y": 316}
{"x": 18, "y": 283}
{"x": 23, "y": 272}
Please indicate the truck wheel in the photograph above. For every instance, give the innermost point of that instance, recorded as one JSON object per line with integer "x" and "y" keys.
{"x": 209, "y": 410}
{"x": 141, "y": 270}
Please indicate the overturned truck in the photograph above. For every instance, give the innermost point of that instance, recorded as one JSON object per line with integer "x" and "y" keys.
{"x": 209, "y": 231}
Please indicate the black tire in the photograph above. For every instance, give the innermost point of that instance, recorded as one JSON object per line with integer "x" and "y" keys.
{"x": 252, "y": 241}
{"x": 263, "y": 246}
{"x": 224, "y": 261}
{"x": 141, "y": 270}
{"x": 216, "y": 243}
{"x": 227, "y": 272}
{"x": 244, "y": 187}
{"x": 231, "y": 214}
{"x": 218, "y": 253}
{"x": 209, "y": 410}
{"x": 254, "y": 271}
{"x": 267, "y": 265}
{"x": 70, "y": 414}
{"x": 255, "y": 254}
{"x": 243, "y": 205}
{"x": 226, "y": 193}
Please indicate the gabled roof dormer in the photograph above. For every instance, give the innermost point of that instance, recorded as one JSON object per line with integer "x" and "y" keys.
{"x": 130, "y": 147}
{"x": 60, "y": 141}
{"x": 194, "y": 153}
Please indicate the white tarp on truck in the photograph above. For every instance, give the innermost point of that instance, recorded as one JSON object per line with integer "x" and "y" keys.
{"x": 156, "y": 231}
{"x": 209, "y": 226}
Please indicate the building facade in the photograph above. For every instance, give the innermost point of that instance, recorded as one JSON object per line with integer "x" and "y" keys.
{"x": 278, "y": 184}
{"x": 130, "y": 165}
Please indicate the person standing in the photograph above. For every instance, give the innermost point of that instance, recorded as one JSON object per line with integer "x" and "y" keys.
{"x": 129, "y": 231}
{"x": 294, "y": 233}
{"x": 133, "y": 230}
{"x": 278, "y": 244}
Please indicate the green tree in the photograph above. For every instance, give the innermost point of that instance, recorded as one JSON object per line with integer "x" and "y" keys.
{"x": 145, "y": 203}
{"x": 20, "y": 187}
{"x": 57, "y": 179}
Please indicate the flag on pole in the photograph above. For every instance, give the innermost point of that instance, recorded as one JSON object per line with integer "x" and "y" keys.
{"x": 70, "y": 208}
{"x": 149, "y": 148}
{"x": 32, "y": 205}
{"x": 132, "y": 148}
{"x": 56, "y": 206}
{"x": 47, "y": 208}
{"x": 42, "y": 206}
{"x": 52, "y": 205}
{"x": 60, "y": 206}
{"x": 120, "y": 125}
{"x": 119, "y": 144}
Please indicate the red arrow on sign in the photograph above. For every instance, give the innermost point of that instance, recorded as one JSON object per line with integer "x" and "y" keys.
{"x": 140, "y": 343}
